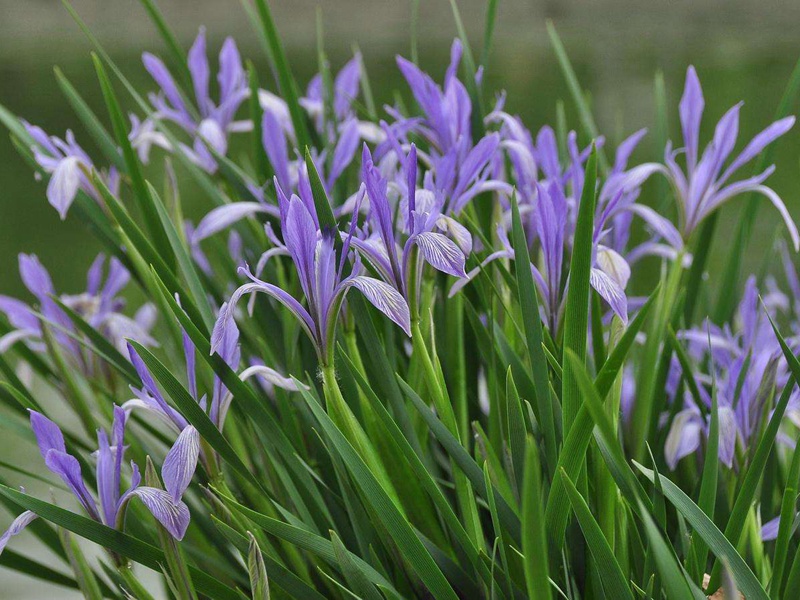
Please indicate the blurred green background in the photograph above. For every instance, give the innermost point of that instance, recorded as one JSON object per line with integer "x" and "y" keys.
{"x": 743, "y": 50}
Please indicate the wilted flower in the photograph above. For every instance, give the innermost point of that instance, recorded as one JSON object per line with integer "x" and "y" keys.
{"x": 166, "y": 506}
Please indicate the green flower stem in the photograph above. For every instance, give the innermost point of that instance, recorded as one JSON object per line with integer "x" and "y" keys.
{"x": 342, "y": 415}
{"x": 441, "y": 401}
{"x": 643, "y": 408}
{"x": 176, "y": 562}
{"x": 74, "y": 394}
{"x": 135, "y": 587}
{"x": 604, "y": 483}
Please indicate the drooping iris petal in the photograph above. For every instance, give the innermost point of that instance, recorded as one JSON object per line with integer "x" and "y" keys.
{"x": 48, "y": 434}
{"x": 441, "y": 253}
{"x": 181, "y": 462}
{"x": 174, "y": 516}
{"x": 16, "y": 527}
{"x": 383, "y": 297}
{"x": 271, "y": 376}
{"x": 460, "y": 234}
{"x": 614, "y": 265}
{"x": 224, "y": 216}
{"x": 68, "y": 469}
{"x": 611, "y": 292}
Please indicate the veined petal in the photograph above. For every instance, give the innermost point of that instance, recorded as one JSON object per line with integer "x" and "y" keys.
{"x": 611, "y": 292}
{"x": 48, "y": 434}
{"x": 271, "y": 376}
{"x": 68, "y": 469}
{"x": 441, "y": 253}
{"x": 174, "y": 516}
{"x": 758, "y": 143}
{"x": 660, "y": 225}
{"x": 224, "y": 216}
{"x": 612, "y": 264}
{"x": 225, "y": 320}
{"x": 181, "y": 462}
{"x": 16, "y": 527}
{"x": 460, "y": 234}
{"x": 383, "y": 297}
{"x": 64, "y": 184}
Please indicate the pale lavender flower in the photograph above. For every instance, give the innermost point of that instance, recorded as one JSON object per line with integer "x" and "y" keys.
{"x": 705, "y": 184}
{"x": 100, "y": 306}
{"x": 321, "y": 277}
{"x": 151, "y": 400}
{"x": 207, "y": 122}
{"x": 111, "y": 504}
{"x": 390, "y": 249}
{"x": 747, "y": 367}
{"x": 461, "y": 169}
{"x": 65, "y": 161}
{"x": 346, "y": 86}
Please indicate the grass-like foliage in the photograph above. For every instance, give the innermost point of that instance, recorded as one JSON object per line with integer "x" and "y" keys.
{"x": 401, "y": 357}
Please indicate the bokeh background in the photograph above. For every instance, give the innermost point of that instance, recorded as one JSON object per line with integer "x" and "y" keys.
{"x": 743, "y": 50}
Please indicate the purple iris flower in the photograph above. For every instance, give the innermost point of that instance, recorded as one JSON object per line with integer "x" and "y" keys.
{"x": 207, "y": 122}
{"x": 747, "y": 365}
{"x": 321, "y": 277}
{"x": 346, "y": 86}
{"x": 111, "y": 504}
{"x": 705, "y": 184}
{"x": 288, "y": 163}
{"x": 65, "y": 161}
{"x": 150, "y": 398}
{"x": 100, "y": 306}
{"x": 391, "y": 248}
{"x": 461, "y": 169}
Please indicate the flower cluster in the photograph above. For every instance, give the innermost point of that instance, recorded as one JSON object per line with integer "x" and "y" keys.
{"x": 413, "y": 208}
